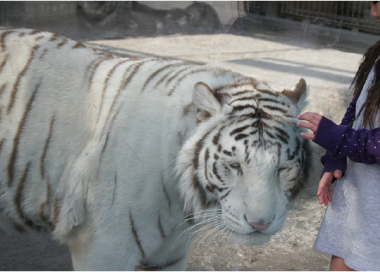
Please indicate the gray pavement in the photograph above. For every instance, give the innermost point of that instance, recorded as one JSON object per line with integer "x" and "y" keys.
{"x": 279, "y": 60}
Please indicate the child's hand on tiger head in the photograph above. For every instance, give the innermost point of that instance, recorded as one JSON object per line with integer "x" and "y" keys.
{"x": 312, "y": 123}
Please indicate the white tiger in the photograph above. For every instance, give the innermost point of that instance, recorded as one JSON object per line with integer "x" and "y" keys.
{"x": 122, "y": 159}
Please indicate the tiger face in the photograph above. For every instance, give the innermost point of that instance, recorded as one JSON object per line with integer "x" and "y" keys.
{"x": 245, "y": 160}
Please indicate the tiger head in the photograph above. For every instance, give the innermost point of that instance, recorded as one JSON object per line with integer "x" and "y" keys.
{"x": 245, "y": 159}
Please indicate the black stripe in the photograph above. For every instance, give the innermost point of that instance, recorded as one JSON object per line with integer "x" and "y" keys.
{"x": 298, "y": 146}
{"x": 215, "y": 171}
{"x": 2, "y": 39}
{"x": 275, "y": 108}
{"x": 235, "y": 85}
{"x": 176, "y": 75}
{"x": 135, "y": 235}
{"x": 243, "y": 99}
{"x": 114, "y": 189}
{"x": 78, "y": 45}
{"x": 105, "y": 145}
{"x": 36, "y": 31}
{"x": 19, "y": 77}
{"x": 184, "y": 76}
{"x": 215, "y": 140}
{"x": 201, "y": 191}
{"x": 238, "y": 130}
{"x": 268, "y": 92}
{"x": 271, "y": 100}
{"x": 19, "y": 193}
{"x": 198, "y": 148}
{"x": 1, "y": 145}
{"x": 149, "y": 267}
{"x": 282, "y": 139}
{"x": 282, "y": 132}
{"x": 55, "y": 214}
{"x": 46, "y": 146}
{"x": 54, "y": 37}
{"x": 43, "y": 205}
{"x": 241, "y": 136}
{"x": 166, "y": 193}
{"x": 44, "y": 52}
{"x": 16, "y": 140}
{"x": 62, "y": 43}
{"x": 109, "y": 75}
{"x": 227, "y": 153}
{"x": 2, "y": 65}
{"x": 243, "y": 107}
{"x": 135, "y": 68}
{"x": 95, "y": 68}
{"x": 270, "y": 135}
{"x": 162, "y": 232}
{"x": 207, "y": 156}
{"x": 225, "y": 195}
{"x": 161, "y": 70}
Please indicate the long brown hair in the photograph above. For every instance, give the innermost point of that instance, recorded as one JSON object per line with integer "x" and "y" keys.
{"x": 371, "y": 106}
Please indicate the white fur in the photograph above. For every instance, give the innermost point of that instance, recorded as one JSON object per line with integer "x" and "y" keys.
{"x": 95, "y": 154}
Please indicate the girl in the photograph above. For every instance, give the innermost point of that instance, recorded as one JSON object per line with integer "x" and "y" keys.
{"x": 350, "y": 230}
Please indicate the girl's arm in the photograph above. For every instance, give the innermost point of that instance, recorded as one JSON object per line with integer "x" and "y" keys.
{"x": 362, "y": 145}
{"x": 331, "y": 164}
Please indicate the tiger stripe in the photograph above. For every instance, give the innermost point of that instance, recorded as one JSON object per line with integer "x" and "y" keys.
{"x": 19, "y": 193}
{"x": 2, "y": 65}
{"x": 2, "y": 40}
{"x": 162, "y": 69}
{"x": 13, "y": 157}
{"x": 166, "y": 194}
{"x": 18, "y": 80}
{"x": 109, "y": 75}
{"x": 183, "y": 77}
{"x": 45, "y": 149}
{"x": 55, "y": 214}
{"x": 160, "y": 227}
{"x": 136, "y": 236}
{"x": 45, "y": 205}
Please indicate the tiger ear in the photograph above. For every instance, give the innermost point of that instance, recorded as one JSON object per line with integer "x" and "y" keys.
{"x": 205, "y": 101}
{"x": 298, "y": 95}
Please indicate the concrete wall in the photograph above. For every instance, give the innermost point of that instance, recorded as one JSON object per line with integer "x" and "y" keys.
{"x": 52, "y": 10}
{"x": 47, "y": 10}
{"x": 226, "y": 9}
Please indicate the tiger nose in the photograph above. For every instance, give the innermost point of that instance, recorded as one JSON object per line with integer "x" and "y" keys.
{"x": 258, "y": 226}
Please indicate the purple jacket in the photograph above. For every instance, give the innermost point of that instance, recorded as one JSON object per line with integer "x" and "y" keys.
{"x": 342, "y": 141}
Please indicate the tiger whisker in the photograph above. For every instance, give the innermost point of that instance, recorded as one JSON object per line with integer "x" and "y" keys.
{"x": 212, "y": 232}
{"x": 197, "y": 225}
{"x": 227, "y": 232}
{"x": 200, "y": 229}
{"x": 191, "y": 236}
{"x": 204, "y": 215}
{"x": 216, "y": 234}
{"x": 204, "y": 222}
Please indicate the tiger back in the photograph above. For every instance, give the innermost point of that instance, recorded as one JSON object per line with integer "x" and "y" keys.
{"x": 125, "y": 159}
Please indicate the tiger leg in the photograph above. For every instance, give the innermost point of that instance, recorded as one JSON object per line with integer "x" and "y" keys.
{"x": 103, "y": 251}
{"x": 170, "y": 256}
{"x": 174, "y": 266}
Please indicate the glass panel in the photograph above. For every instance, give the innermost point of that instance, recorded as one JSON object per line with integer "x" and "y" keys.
{"x": 278, "y": 42}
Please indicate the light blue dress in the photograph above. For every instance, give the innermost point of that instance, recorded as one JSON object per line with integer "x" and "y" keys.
{"x": 351, "y": 226}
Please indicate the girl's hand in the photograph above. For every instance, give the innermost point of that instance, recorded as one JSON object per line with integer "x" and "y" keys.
{"x": 312, "y": 124}
{"x": 323, "y": 192}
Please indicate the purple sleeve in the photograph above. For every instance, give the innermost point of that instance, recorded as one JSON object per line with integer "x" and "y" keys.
{"x": 330, "y": 163}
{"x": 362, "y": 145}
